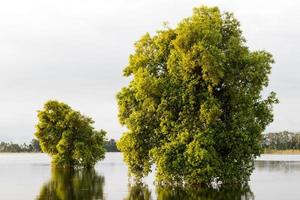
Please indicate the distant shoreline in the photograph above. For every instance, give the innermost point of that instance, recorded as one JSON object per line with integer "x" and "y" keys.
{"x": 287, "y": 151}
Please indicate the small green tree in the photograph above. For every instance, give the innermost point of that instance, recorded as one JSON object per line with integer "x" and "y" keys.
{"x": 194, "y": 106}
{"x": 68, "y": 136}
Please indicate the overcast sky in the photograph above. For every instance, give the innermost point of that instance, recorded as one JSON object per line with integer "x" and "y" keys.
{"x": 74, "y": 51}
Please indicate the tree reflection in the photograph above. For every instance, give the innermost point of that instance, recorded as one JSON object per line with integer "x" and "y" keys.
{"x": 141, "y": 192}
{"x": 73, "y": 184}
{"x": 138, "y": 191}
{"x": 167, "y": 193}
{"x": 285, "y": 166}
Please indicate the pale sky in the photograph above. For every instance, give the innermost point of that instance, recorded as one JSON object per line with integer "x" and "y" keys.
{"x": 74, "y": 51}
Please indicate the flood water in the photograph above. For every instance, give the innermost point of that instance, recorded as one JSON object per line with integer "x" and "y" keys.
{"x": 30, "y": 176}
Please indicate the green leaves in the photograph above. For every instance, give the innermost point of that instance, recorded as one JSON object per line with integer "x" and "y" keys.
{"x": 194, "y": 105}
{"x": 69, "y": 136}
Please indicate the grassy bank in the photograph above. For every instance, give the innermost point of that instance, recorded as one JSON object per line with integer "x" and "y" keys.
{"x": 287, "y": 151}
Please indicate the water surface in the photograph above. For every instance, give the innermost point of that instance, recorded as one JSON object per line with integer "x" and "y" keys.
{"x": 30, "y": 176}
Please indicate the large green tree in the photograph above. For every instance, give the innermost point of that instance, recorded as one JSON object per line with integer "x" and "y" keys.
{"x": 68, "y": 136}
{"x": 194, "y": 106}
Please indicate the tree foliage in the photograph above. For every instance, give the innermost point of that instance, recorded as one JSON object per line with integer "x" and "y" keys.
{"x": 194, "y": 106}
{"x": 68, "y": 136}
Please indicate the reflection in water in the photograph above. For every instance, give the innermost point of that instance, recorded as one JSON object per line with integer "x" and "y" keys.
{"x": 270, "y": 180}
{"x": 70, "y": 184}
{"x": 141, "y": 192}
{"x": 203, "y": 194}
{"x": 138, "y": 191}
{"x": 286, "y": 166}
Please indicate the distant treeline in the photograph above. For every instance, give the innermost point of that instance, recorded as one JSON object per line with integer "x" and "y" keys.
{"x": 281, "y": 140}
{"x": 111, "y": 146}
{"x": 278, "y": 141}
{"x": 34, "y": 146}
{"x": 13, "y": 147}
